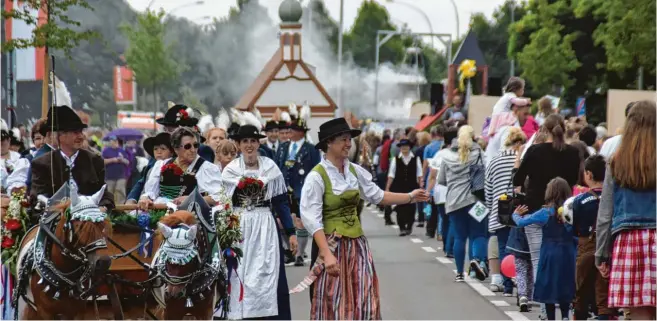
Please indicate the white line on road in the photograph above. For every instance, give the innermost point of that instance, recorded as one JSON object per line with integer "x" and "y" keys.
{"x": 480, "y": 288}
{"x": 444, "y": 260}
{"x": 396, "y": 227}
{"x": 416, "y": 241}
{"x": 500, "y": 303}
{"x": 516, "y": 316}
{"x": 379, "y": 215}
{"x": 428, "y": 249}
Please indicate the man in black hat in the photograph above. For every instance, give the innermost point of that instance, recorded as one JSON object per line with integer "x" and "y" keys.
{"x": 179, "y": 116}
{"x": 296, "y": 159}
{"x": 283, "y": 131}
{"x": 271, "y": 130}
{"x": 405, "y": 176}
{"x": 70, "y": 162}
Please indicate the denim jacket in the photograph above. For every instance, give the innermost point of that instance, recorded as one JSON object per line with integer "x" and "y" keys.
{"x": 621, "y": 209}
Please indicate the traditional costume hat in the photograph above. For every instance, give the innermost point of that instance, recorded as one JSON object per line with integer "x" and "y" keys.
{"x": 404, "y": 142}
{"x": 157, "y": 140}
{"x": 299, "y": 120}
{"x": 63, "y": 118}
{"x": 271, "y": 125}
{"x": 333, "y": 128}
{"x": 178, "y": 115}
{"x": 247, "y": 131}
{"x": 5, "y": 134}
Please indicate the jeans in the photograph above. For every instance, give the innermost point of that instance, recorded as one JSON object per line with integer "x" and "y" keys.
{"x": 466, "y": 227}
{"x": 446, "y": 230}
{"x": 420, "y": 212}
{"x": 502, "y": 237}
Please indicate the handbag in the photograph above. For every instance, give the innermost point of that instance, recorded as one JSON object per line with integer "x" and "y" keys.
{"x": 506, "y": 207}
{"x": 478, "y": 179}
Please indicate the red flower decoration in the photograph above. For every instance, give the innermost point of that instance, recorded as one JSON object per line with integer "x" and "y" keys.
{"x": 227, "y": 207}
{"x": 172, "y": 168}
{"x": 13, "y": 224}
{"x": 183, "y": 114}
{"x": 25, "y": 203}
{"x": 7, "y": 242}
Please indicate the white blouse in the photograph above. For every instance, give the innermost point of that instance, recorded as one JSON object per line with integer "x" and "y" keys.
{"x": 19, "y": 167}
{"x": 406, "y": 159}
{"x": 312, "y": 194}
{"x": 208, "y": 180}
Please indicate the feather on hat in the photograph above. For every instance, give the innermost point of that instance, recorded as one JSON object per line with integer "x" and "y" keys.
{"x": 249, "y": 118}
{"x": 294, "y": 111}
{"x": 223, "y": 119}
{"x": 61, "y": 96}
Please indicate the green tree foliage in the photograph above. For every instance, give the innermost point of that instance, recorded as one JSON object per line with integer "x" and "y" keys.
{"x": 59, "y": 32}
{"x": 627, "y": 32}
{"x": 148, "y": 55}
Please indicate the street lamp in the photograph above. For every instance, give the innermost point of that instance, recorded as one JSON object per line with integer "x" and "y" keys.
{"x": 424, "y": 14}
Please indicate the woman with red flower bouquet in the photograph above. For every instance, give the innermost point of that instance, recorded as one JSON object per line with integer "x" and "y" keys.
{"x": 256, "y": 184}
{"x": 173, "y": 179}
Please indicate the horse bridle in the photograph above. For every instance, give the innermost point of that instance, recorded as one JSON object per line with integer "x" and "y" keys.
{"x": 80, "y": 254}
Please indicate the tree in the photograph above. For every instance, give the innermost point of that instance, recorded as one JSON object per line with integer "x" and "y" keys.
{"x": 57, "y": 32}
{"x": 190, "y": 98}
{"x": 627, "y": 32}
{"x": 148, "y": 55}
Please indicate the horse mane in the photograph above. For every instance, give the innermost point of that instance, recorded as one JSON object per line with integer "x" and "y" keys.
{"x": 179, "y": 217}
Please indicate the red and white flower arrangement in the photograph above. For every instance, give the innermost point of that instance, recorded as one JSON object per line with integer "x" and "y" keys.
{"x": 13, "y": 228}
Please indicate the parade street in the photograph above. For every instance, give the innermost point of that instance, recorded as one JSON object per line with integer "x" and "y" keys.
{"x": 417, "y": 281}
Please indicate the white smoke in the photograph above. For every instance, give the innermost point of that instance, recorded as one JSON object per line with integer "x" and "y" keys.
{"x": 243, "y": 46}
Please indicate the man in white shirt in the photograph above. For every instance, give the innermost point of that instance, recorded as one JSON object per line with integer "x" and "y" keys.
{"x": 404, "y": 176}
{"x": 610, "y": 146}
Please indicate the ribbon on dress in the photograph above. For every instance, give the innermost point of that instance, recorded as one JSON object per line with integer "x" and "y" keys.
{"x": 7, "y": 284}
{"x": 317, "y": 268}
{"x": 231, "y": 264}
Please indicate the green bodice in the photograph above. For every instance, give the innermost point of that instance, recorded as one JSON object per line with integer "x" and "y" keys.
{"x": 340, "y": 211}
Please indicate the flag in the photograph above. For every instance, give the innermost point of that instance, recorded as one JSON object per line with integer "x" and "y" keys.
{"x": 29, "y": 62}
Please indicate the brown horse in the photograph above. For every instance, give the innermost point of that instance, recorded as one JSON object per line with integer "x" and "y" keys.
{"x": 72, "y": 256}
{"x": 180, "y": 266}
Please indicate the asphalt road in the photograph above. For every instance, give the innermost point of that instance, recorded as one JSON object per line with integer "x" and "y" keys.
{"x": 417, "y": 281}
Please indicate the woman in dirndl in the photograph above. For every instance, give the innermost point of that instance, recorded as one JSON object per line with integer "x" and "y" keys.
{"x": 173, "y": 179}
{"x": 346, "y": 285}
{"x": 256, "y": 185}
{"x": 625, "y": 243}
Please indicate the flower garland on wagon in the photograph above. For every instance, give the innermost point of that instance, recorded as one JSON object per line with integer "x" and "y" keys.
{"x": 15, "y": 223}
{"x": 229, "y": 236}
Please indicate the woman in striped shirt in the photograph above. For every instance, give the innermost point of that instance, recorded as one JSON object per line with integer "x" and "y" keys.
{"x": 498, "y": 179}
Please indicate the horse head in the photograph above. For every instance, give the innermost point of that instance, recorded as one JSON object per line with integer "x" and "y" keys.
{"x": 82, "y": 229}
{"x": 179, "y": 254}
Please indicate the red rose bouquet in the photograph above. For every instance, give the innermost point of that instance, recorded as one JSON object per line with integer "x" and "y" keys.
{"x": 250, "y": 183}
{"x": 14, "y": 226}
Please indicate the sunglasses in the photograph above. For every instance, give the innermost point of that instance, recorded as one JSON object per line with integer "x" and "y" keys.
{"x": 190, "y": 145}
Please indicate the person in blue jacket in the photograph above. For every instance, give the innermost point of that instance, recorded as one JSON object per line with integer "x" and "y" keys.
{"x": 555, "y": 279}
{"x": 296, "y": 158}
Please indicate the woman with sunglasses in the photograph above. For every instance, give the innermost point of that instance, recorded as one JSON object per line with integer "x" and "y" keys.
{"x": 173, "y": 179}
{"x": 255, "y": 185}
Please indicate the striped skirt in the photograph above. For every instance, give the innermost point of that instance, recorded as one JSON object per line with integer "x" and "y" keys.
{"x": 354, "y": 294}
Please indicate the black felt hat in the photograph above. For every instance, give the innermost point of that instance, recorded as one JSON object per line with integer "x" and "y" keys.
{"x": 332, "y": 128}
{"x": 5, "y": 134}
{"x": 63, "y": 118}
{"x": 232, "y": 130}
{"x": 283, "y": 124}
{"x": 157, "y": 140}
{"x": 299, "y": 124}
{"x": 404, "y": 142}
{"x": 247, "y": 131}
{"x": 177, "y": 116}
{"x": 271, "y": 125}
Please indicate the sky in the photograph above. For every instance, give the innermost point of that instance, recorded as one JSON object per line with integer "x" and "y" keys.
{"x": 440, "y": 13}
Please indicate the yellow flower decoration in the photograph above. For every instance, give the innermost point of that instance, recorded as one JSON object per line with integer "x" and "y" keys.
{"x": 467, "y": 70}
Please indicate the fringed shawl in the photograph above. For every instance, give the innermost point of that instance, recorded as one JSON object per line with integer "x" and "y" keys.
{"x": 267, "y": 172}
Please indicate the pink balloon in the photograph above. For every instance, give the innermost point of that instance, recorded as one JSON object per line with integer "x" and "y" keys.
{"x": 508, "y": 266}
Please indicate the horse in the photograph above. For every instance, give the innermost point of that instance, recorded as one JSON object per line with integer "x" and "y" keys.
{"x": 55, "y": 268}
{"x": 189, "y": 274}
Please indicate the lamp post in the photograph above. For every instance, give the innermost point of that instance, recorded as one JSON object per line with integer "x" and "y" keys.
{"x": 424, "y": 14}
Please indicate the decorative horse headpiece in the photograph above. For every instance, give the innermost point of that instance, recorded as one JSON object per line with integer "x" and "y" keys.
{"x": 85, "y": 208}
{"x": 178, "y": 247}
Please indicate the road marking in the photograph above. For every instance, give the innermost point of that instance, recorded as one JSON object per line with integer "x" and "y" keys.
{"x": 500, "y": 303}
{"x": 396, "y": 227}
{"x": 444, "y": 260}
{"x": 416, "y": 241}
{"x": 480, "y": 288}
{"x": 516, "y": 316}
{"x": 379, "y": 215}
{"x": 428, "y": 249}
